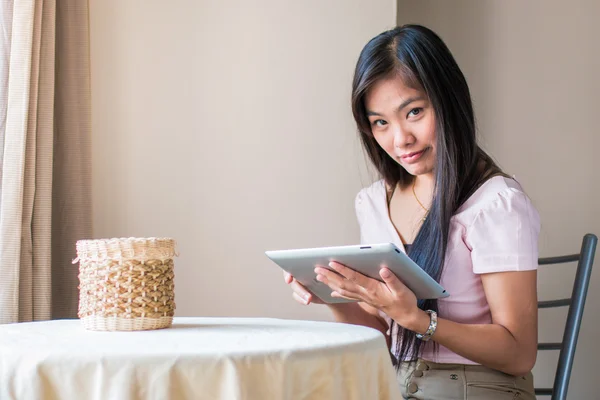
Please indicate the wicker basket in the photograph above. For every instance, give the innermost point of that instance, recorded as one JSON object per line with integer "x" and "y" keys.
{"x": 126, "y": 284}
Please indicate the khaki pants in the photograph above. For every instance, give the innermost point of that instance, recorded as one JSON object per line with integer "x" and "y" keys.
{"x": 428, "y": 380}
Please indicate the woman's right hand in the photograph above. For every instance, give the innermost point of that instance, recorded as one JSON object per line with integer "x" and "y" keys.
{"x": 300, "y": 293}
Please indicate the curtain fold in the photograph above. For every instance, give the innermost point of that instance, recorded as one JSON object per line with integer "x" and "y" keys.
{"x": 72, "y": 173}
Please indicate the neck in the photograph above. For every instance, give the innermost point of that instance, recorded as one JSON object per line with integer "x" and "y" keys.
{"x": 424, "y": 183}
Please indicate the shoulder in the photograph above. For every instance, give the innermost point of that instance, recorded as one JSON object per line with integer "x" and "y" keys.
{"x": 497, "y": 195}
{"x": 502, "y": 227}
{"x": 370, "y": 202}
{"x": 372, "y": 193}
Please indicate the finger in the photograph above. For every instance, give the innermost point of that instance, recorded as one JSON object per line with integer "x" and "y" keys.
{"x": 331, "y": 277}
{"x": 301, "y": 291}
{"x": 340, "y": 291}
{"x": 350, "y": 274}
{"x": 361, "y": 295}
{"x": 393, "y": 283}
{"x": 347, "y": 296}
{"x": 342, "y": 286}
{"x": 287, "y": 277}
{"x": 334, "y": 281}
{"x": 363, "y": 284}
{"x": 299, "y": 299}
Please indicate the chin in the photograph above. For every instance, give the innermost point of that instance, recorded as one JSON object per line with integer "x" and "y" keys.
{"x": 417, "y": 170}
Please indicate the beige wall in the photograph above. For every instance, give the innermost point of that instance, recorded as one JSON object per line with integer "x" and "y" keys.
{"x": 533, "y": 70}
{"x": 227, "y": 126}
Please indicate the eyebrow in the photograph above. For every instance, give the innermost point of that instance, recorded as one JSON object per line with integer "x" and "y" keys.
{"x": 404, "y": 104}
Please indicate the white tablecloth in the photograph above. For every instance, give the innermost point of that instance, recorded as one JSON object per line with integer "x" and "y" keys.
{"x": 197, "y": 358}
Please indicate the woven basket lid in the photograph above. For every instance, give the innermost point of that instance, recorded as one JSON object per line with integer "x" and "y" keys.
{"x": 140, "y": 249}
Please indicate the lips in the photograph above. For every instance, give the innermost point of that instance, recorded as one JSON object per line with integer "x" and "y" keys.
{"x": 413, "y": 157}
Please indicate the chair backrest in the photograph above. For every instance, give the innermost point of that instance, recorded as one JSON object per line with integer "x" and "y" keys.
{"x": 576, "y": 303}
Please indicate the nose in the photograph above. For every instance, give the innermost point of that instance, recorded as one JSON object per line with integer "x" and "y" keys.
{"x": 402, "y": 138}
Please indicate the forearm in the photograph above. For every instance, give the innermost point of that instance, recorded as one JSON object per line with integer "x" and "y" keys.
{"x": 491, "y": 345}
{"x": 353, "y": 313}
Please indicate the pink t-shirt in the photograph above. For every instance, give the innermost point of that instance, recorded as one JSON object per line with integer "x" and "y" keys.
{"x": 495, "y": 230}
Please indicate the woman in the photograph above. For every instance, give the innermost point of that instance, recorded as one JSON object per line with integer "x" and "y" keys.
{"x": 449, "y": 206}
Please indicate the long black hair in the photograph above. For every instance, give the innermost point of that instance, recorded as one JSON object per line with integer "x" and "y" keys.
{"x": 423, "y": 61}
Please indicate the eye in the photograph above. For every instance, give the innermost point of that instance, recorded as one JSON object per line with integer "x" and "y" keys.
{"x": 415, "y": 111}
{"x": 379, "y": 123}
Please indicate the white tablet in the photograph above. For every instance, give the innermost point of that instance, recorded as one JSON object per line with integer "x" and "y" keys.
{"x": 366, "y": 259}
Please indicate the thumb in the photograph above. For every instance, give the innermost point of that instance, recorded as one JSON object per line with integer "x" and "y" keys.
{"x": 391, "y": 280}
{"x": 287, "y": 277}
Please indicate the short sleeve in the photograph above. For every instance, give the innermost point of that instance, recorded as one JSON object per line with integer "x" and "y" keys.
{"x": 504, "y": 234}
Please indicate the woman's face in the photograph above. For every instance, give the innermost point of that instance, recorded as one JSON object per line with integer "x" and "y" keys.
{"x": 403, "y": 123}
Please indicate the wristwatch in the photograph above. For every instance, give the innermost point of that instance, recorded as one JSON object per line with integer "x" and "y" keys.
{"x": 432, "y": 326}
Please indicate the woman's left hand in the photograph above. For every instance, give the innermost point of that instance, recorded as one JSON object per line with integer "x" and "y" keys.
{"x": 390, "y": 296}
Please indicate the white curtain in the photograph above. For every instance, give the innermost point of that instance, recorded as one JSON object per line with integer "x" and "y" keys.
{"x": 41, "y": 125}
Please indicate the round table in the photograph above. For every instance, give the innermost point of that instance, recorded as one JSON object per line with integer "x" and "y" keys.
{"x": 197, "y": 358}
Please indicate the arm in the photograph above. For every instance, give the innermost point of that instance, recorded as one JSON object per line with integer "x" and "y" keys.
{"x": 350, "y": 313}
{"x": 509, "y": 343}
{"x": 360, "y": 314}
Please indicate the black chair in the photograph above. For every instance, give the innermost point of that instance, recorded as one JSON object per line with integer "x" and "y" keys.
{"x": 576, "y": 302}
